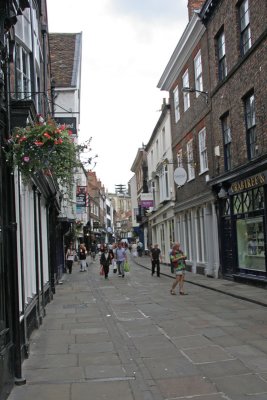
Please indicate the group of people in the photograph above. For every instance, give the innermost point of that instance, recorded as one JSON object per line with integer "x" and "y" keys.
{"x": 116, "y": 255}
{"x": 72, "y": 255}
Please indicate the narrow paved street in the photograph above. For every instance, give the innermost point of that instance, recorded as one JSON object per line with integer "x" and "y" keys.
{"x": 129, "y": 339}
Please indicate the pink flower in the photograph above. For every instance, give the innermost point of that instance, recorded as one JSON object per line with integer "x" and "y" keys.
{"x": 26, "y": 159}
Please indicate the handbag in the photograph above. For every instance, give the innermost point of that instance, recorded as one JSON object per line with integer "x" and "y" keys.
{"x": 126, "y": 266}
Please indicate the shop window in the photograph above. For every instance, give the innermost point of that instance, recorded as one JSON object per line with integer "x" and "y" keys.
{"x": 248, "y": 203}
{"x": 250, "y": 243}
{"x": 258, "y": 198}
{"x": 237, "y": 203}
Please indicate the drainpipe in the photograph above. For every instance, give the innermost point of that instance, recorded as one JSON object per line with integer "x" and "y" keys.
{"x": 41, "y": 256}
{"x": 44, "y": 39}
{"x": 11, "y": 247}
{"x": 36, "y": 245}
{"x": 26, "y": 351}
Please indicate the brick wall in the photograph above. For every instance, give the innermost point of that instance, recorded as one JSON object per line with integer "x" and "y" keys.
{"x": 245, "y": 73}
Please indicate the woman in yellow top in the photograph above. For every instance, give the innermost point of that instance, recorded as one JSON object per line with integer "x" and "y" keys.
{"x": 178, "y": 258}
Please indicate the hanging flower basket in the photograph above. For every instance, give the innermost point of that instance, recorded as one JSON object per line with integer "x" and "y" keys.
{"x": 43, "y": 147}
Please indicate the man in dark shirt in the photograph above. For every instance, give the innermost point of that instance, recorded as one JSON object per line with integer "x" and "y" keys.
{"x": 155, "y": 259}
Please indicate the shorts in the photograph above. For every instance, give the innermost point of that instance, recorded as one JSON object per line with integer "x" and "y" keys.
{"x": 179, "y": 272}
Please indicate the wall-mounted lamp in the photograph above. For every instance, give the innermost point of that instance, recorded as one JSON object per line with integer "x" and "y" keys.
{"x": 193, "y": 90}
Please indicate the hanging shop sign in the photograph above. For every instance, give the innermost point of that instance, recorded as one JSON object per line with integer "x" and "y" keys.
{"x": 81, "y": 197}
{"x": 180, "y": 176}
{"x": 69, "y": 122}
{"x": 146, "y": 200}
{"x": 248, "y": 183}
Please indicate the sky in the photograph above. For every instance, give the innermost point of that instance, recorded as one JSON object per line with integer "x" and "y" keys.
{"x": 126, "y": 45}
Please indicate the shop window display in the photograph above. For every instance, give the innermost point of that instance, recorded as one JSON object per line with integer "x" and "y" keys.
{"x": 250, "y": 240}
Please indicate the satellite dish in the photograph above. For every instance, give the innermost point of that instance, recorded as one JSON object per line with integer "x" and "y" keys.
{"x": 180, "y": 176}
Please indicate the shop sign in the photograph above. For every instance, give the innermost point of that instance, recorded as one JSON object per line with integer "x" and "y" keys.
{"x": 81, "y": 198}
{"x": 69, "y": 122}
{"x": 146, "y": 200}
{"x": 248, "y": 183}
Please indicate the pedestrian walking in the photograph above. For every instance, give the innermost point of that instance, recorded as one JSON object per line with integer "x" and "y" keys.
{"x": 93, "y": 251}
{"x": 134, "y": 249}
{"x": 156, "y": 258}
{"x": 178, "y": 260}
{"x": 70, "y": 254}
{"x": 106, "y": 260}
{"x": 121, "y": 257}
{"x": 140, "y": 248}
{"x": 82, "y": 257}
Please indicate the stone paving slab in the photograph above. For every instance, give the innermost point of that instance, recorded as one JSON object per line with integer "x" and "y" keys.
{"x": 102, "y": 390}
{"x": 207, "y": 354}
{"x": 131, "y": 340}
{"x": 55, "y": 375}
{"x": 51, "y": 361}
{"x": 247, "y": 384}
{"x": 185, "y": 386}
{"x": 41, "y": 392}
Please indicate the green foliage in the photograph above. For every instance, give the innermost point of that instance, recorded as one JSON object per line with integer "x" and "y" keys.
{"x": 44, "y": 147}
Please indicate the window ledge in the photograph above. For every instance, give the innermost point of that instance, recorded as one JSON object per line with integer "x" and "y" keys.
{"x": 203, "y": 172}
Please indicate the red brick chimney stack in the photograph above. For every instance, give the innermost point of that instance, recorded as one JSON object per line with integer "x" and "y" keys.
{"x": 194, "y": 5}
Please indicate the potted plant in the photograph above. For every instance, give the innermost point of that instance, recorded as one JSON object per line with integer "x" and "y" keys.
{"x": 43, "y": 147}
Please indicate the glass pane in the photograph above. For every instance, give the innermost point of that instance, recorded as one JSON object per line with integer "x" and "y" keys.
{"x": 250, "y": 243}
{"x": 248, "y": 204}
{"x": 238, "y": 204}
{"x": 246, "y": 40}
{"x": 244, "y": 15}
{"x": 250, "y": 112}
{"x": 258, "y": 198}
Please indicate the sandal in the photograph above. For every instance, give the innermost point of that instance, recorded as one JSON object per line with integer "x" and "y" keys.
{"x": 172, "y": 292}
{"x": 183, "y": 293}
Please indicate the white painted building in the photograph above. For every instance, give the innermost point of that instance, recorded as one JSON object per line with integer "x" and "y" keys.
{"x": 161, "y": 184}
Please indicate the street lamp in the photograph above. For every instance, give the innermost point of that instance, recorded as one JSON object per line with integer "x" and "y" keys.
{"x": 193, "y": 90}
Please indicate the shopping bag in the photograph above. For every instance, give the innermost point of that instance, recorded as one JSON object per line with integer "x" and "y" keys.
{"x": 126, "y": 266}
{"x": 102, "y": 272}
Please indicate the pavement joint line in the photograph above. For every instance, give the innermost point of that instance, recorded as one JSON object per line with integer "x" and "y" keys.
{"x": 82, "y": 380}
{"x": 240, "y": 297}
{"x": 196, "y": 396}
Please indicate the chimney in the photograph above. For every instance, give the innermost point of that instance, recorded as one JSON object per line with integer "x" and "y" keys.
{"x": 194, "y": 5}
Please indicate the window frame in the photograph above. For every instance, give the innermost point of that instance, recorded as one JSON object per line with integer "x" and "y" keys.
{"x": 245, "y": 31}
{"x": 221, "y": 54}
{"x": 176, "y": 104}
{"x": 203, "y": 151}
{"x": 190, "y": 160}
{"x": 186, "y": 95}
{"x": 198, "y": 73}
{"x": 22, "y": 73}
{"x": 227, "y": 144}
{"x": 250, "y": 120}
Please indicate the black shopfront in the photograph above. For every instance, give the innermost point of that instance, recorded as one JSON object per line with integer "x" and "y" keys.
{"x": 242, "y": 227}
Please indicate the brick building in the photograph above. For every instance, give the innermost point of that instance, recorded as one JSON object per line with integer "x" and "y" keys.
{"x": 221, "y": 143}
{"x": 237, "y": 45}
{"x": 186, "y": 78}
